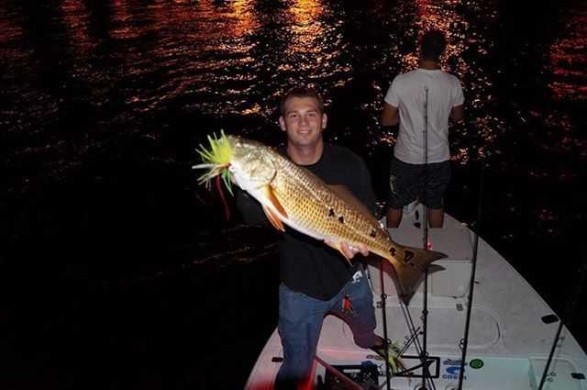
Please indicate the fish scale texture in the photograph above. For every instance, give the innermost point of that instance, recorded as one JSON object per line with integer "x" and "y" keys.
{"x": 315, "y": 207}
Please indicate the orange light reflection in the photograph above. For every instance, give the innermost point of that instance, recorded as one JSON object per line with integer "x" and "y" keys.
{"x": 306, "y": 27}
{"x": 75, "y": 17}
{"x": 568, "y": 59}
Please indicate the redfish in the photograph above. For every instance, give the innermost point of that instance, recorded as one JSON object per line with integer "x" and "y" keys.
{"x": 293, "y": 196}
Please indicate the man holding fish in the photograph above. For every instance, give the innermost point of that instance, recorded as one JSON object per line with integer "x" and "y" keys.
{"x": 322, "y": 193}
{"x": 316, "y": 280}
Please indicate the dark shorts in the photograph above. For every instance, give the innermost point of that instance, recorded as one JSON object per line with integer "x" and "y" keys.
{"x": 426, "y": 183}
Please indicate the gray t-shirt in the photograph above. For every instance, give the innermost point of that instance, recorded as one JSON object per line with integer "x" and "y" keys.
{"x": 415, "y": 94}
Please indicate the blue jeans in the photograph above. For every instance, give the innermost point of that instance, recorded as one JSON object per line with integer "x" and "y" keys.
{"x": 300, "y": 323}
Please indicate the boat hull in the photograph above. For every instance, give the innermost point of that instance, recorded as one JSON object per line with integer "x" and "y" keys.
{"x": 508, "y": 345}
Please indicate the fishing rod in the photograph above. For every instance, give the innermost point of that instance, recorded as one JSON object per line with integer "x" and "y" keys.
{"x": 384, "y": 317}
{"x": 424, "y": 352}
{"x": 413, "y": 334}
{"x": 424, "y": 363}
{"x": 551, "y": 354}
{"x": 577, "y": 290}
{"x": 465, "y": 341}
{"x": 422, "y": 349}
{"x": 411, "y": 327}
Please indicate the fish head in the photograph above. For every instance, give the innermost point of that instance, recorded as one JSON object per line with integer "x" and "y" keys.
{"x": 252, "y": 165}
{"x": 246, "y": 163}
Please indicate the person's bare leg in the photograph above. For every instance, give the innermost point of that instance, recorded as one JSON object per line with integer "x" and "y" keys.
{"x": 394, "y": 217}
{"x": 435, "y": 218}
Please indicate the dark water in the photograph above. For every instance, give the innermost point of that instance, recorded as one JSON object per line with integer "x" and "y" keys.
{"x": 117, "y": 271}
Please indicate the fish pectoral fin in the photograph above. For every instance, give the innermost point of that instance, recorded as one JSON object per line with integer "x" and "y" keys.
{"x": 338, "y": 247}
{"x": 274, "y": 219}
{"x": 270, "y": 195}
{"x": 276, "y": 214}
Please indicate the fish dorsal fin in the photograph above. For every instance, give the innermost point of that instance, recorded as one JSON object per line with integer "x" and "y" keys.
{"x": 348, "y": 197}
{"x": 274, "y": 217}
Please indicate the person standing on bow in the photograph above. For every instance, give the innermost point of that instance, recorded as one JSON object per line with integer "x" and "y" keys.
{"x": 316, "y": 279}
{"x": 422, "y": 101}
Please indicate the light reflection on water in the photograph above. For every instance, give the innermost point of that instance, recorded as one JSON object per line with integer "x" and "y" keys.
{"x": 236, "y": 57}
{"x": 116, "y": 67}
{"x": 568, "y": 58}
{"x": 123, "y": 63}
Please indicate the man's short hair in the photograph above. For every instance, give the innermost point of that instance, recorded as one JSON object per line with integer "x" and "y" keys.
{"x": 301, "y": 92}
{"x": 432, "y": 45}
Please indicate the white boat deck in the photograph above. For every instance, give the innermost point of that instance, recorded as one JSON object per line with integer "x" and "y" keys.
{"x": 507, "y": 339}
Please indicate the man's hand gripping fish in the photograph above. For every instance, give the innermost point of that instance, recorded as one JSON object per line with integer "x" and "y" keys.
{"x": 291, "y": 195}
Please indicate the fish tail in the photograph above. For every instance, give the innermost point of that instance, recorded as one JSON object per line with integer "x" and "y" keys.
{"x": 410, "y": 270}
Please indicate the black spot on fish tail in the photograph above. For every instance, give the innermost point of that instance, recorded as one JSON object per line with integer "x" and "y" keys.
{"x": 373, "y": 233}
{"x": 341, "y": 219}
{"x": 331, "y": 213}
{"x": 392, "y": 251}
{"x": 408, "y": 255}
